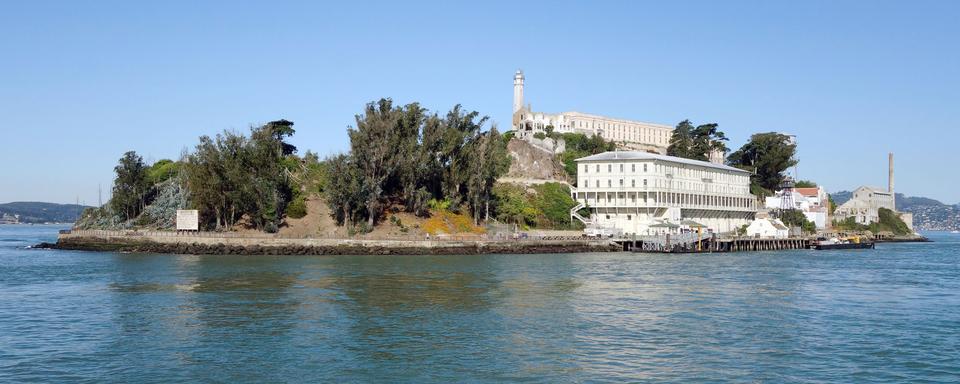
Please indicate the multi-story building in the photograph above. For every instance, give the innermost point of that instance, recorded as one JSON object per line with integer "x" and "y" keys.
{"x": 629, "y": 134}
{"x": 644, "y": 193}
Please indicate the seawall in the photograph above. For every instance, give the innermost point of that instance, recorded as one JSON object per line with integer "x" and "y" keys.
{"x": 233, "y": 244}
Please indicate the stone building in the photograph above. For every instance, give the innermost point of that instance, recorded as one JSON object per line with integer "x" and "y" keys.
{"x": 638, "y": 192}
{"x": 866, "y": 202}
{"x": 628, "y": 134}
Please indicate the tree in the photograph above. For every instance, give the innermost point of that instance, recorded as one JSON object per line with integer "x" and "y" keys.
{"x": 403, "y": 156}
{"x": 232, "y": 176}
{"x": 130, "y": 186}
{"x": 796, "y": 218}
{"x": 681, "y": 141}
{"x": 805, "y": 184}
{"x": 162, "y": 171}
{"x": 767, "y": 156}
{"x": 579, "y": 145}
{"x": 698, "y": 142}
{"x": 372, "y": 146}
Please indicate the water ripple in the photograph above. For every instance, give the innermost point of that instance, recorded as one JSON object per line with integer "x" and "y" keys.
{"x": 889, "y": 315}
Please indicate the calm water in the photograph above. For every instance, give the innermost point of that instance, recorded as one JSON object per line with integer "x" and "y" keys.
{"x": 890, "y": 315}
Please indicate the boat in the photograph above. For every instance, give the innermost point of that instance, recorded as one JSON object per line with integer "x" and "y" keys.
{"x": 823, "y": 244}
{"x": 954, "y": 232}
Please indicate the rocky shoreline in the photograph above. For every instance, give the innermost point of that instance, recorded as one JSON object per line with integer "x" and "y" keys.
{"x": 354, "y": 247}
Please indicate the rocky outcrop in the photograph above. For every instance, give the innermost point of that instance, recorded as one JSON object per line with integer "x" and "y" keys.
{"x": 531, "y": 162}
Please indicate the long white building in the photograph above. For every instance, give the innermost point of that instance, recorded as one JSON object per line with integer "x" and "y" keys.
{"x": 630, "y": 134}
{"x": 644, "y": 193}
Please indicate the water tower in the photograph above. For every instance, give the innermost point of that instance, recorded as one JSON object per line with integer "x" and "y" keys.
{"x": 786, "y": 194}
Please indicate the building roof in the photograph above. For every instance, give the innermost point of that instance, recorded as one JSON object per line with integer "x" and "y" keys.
{"x": 637, "y": 155}
{"x": 813, "y": 191}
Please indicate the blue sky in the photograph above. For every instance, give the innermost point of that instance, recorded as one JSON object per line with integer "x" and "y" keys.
{"x": 83, "y": 82}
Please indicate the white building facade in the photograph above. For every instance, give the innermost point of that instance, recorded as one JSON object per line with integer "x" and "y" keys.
{"x": 814, "y": 202}
{"x": 632, "y": 191}
{"x": 768, "y": 228}
{"x": 629, "y": 134}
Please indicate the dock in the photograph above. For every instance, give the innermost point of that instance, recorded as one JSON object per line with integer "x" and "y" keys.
{"x": 693, "y": 243}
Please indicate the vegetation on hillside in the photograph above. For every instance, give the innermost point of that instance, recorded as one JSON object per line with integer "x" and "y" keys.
{"x": 232, "y": 176}
{"x": 697, "y": 142}
{"x": 579, "y": 145}
{"x": 542, "y": 206}
{"x": 767, "y": 156}
{"x": 37, "y": 212}
{"x": 405, "y": 156}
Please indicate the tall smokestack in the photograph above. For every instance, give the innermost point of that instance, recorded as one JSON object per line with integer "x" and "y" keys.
{"x": 890, "y": 178}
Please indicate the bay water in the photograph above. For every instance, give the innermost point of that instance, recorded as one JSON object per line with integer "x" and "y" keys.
{"x": 887, "y": 315}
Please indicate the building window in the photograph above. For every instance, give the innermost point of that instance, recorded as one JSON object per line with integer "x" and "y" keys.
{"x": 609, "y": 168}
{"x": 586, "y": 168}
{"x": 608, "y": 217}
{"x": 598, "y": 168}
{"x": 598, "y": 183}
{"x": 621, "y": 167}
{"x": 629, "y": 217}
{"x": 609, "y": 183}
{"x": 644, "y": 182}
{"x": 621, "y": 182}
{"x": 633, "y": 183}
{"x": 644, "y": 168}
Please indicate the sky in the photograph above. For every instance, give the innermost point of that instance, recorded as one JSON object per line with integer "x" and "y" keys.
{"x": 83, "y": 82}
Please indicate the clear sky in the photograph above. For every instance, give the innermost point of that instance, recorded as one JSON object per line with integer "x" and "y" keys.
{"x": 83, "y": 82}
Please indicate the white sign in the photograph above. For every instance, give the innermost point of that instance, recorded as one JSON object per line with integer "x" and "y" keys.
{"x": 188, "y": 220}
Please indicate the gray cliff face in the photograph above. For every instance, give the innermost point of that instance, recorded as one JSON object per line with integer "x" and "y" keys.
{"x": 531, "y": 162}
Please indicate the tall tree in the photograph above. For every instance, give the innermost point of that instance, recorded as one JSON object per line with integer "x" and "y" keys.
{"x": 232, "y": 176}
{"x": 681, "y": 141}
{"x": 403, "y": 156}
{"x": 767, "y": 155}
{"x": 372, "y": 146}
{"x": 698, "y": 142}
{"x": 130, "y": 186}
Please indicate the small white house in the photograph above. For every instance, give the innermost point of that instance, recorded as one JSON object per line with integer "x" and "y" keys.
{"x": 768, "y": 229}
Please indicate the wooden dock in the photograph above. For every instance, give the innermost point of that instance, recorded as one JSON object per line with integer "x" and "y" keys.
{"x": 691, "y": 244}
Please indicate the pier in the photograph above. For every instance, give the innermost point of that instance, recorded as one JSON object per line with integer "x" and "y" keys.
{"x": 693, "y": 243}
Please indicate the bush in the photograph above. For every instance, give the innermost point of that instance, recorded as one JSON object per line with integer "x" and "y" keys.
{"x": 439, "y": 205}
{"x": 162, "y": 171}
{"x": 796, "y": 218}
{"x": 297, "y": 208}
{"x": 540, "y": 135}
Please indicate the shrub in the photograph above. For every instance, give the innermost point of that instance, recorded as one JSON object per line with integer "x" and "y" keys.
{"x": 297, "y": 208}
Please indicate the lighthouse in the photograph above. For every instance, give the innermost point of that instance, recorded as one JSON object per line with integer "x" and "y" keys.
{"x": 517, "y": 91}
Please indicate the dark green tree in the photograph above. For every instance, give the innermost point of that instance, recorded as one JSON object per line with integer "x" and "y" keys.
{"x": 697, "y": 142}
{"x": 767, "y": 156}
{"x": 130, "y": 186}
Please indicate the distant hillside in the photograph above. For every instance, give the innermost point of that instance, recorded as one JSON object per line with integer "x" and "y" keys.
{"x": 36, "y": 212}
{"x": 928, "y": 214}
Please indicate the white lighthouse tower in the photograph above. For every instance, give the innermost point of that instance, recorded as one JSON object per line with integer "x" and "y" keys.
{"x": 517, "y": 91}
